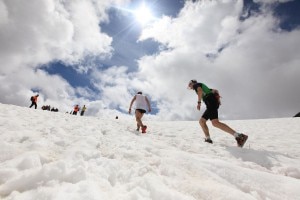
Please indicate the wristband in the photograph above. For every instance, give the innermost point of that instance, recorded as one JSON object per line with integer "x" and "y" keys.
{"x": 199, "y": 102}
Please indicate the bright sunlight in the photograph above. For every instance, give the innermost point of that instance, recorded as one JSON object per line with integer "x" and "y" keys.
{"x": 143, "y": 14}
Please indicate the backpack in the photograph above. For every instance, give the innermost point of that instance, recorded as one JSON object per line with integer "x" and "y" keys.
{"x": 31, "y": 98}
{"x": 217, "y": 96}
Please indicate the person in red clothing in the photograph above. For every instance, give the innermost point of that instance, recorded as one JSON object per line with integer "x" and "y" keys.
{"x": 34, "y": 101}
{"x": 76, "y": 109}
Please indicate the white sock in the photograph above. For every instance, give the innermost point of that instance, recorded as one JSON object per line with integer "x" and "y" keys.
{"x": 236, "y": 134}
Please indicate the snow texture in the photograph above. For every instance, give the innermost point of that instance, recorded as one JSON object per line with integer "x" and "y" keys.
{"x": 47, "y": 155}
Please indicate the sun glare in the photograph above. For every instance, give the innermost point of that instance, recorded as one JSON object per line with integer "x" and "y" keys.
{"x": 143, "y": 14}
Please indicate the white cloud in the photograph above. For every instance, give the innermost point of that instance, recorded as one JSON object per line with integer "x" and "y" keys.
{"x": 271, "y": 1}
{"x": 252, "y": 62}
{"x": 42, "y": 31}
{"x": 3, "y": 13}
{"x": 114, "y": 85}
{"x": 199, "y": 25}
{"x": 256, "y": 72}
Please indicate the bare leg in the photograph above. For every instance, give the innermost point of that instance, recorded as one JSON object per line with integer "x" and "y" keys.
{"x": 204, "y": 127}
{"x": 138, "y": 117}
{"x": 224, "y": 127}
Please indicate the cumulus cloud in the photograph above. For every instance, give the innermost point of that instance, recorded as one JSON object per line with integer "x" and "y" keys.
{"x": 253, "y": 63}
{"x": 42, "y": 31}
{"x": 271, "y": 1}
{"x": 250, "y": 60}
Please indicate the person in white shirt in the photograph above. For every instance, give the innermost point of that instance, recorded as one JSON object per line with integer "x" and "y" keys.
{"x": 141, "y": 104}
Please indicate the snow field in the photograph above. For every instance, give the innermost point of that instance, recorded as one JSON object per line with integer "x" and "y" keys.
{"x": 46, "y": 155}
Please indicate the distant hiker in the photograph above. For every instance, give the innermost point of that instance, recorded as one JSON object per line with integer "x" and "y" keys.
{"x": 141, "y": 104}
{"x": 33, "y": 100}
{"x": 83, "y": 110}
{"x": 211, "y": 99}
{"x": 47, "y": 107}
{"x": 117, "y": 117}
{"x": 54, "y": 109}
{"x": 76, "y": 109}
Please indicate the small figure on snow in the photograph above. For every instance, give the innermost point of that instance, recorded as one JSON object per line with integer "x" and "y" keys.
{"x": 33, "y": 100}
{"x": 76, "y": 109}
{"x": 141, "y": 104}
{"x": 83, "y": 110}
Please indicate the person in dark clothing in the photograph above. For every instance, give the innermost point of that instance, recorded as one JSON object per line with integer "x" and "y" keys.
{"x": 34, "y": 101}
{"x": 211, "y": 98}
{"x": 83, "y": 110}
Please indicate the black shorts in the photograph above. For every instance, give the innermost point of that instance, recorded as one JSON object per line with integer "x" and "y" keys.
{"x": 140, "y": 110}
{"x": 210, "y": 114}
{"x": 212, "y": 106}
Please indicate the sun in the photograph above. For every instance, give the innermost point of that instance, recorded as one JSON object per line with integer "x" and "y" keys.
{"x": 143, "y": 14}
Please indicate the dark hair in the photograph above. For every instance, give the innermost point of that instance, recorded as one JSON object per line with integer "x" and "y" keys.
{"x": 140, "y": 93}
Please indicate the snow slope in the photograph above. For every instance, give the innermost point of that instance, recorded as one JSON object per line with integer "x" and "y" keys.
{"x": 47, "y": 155}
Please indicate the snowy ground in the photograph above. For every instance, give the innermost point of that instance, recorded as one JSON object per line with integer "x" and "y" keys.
{"x": 46, "y": 155}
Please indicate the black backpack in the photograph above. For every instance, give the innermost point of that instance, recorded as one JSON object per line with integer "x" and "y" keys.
{"x": 31, "y": 98}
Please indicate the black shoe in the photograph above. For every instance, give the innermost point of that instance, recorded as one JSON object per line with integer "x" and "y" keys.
{"x": 241, "y": 140}
{"x": 208, "y": 140}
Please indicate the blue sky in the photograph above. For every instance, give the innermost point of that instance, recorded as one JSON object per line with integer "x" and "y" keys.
{"x": 97, "y": 53}
{"x": 125, "y": 31}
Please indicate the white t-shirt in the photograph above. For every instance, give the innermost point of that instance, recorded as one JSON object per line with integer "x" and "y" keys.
{"x": 140, "y": 102}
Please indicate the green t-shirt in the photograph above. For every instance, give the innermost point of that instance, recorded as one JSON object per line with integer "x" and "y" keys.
{"x": 205, "y": 90}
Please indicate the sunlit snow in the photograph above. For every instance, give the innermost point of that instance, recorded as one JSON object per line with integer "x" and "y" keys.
{"x": 48, "y": 155}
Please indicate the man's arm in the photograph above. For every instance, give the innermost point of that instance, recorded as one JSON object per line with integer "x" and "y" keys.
{"x": 199, "y": 93}
{"x": 133, "y": 99}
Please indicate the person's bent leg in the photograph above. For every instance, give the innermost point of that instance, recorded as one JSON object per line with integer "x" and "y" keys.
{"x": 224, "y": 127}
{"x": 204, "y": 127}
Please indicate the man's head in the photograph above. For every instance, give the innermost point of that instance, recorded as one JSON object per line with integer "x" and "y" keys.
{"x": 139, "y": 93}
{"x": 191, "y": 83}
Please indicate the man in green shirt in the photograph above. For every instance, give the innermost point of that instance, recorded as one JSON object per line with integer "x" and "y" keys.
{"x": 211, "y": 99}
